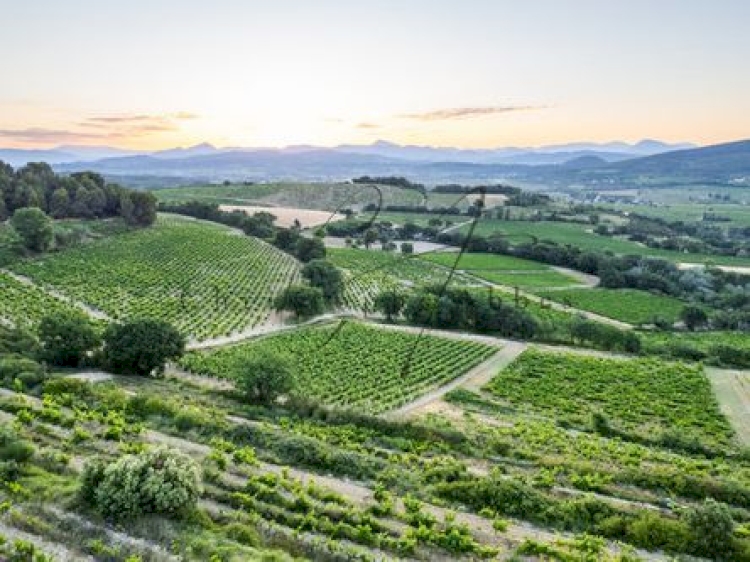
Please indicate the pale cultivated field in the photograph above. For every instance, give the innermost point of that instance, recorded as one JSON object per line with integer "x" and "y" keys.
{"x": 745, "y": 270}
{"x": 285, "y": 216}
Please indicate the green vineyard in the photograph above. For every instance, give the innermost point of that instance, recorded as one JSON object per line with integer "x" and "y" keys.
{"x": 23, "y": 305}
{"x": 353, "y": 365}
{"x": 645, "y": 396}
{"x": 369, "y": 272}
{"x": 205, "y": 279}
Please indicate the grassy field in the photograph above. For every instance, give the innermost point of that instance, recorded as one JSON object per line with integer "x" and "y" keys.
{"x": 699, "y": 340}
{"x": 355, "y": 366}
{"x": 528, "y": 279}
{"x": 324, "y": 196}
{"x": 627, "y": 305}
{"x": 641, "y": 395}
{"x": 493, "y": 262}
{"x": 505, "y": 270}
{"x": 205, "y": 279}
{"x": 739, "y": 215}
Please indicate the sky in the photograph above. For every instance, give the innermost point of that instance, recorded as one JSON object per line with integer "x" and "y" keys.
{"x": 465, "y": 73}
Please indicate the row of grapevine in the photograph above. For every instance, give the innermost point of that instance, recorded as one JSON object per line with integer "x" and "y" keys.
{"x": 369, "y": 272}
{"x": 24, "y": 305}
{"x": 353, "y": 365}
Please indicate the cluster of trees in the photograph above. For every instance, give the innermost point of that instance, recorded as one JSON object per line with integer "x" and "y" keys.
{"x": 324, "y": 289}
{"x": 439, "y": 307}
{"x": 602, "y": 336}
{"x": 691, "y": 237}
{"x": 497, "y": 189}
{"x": 527, "y": 199}
{"x": 259, "y": 224}
{"x": 291, "y": 241}
{"x": 414, "y": 209}
{"x": 69, "y": 339}
{"x": 394, "y": 181}
{"x": 80, "y": 195}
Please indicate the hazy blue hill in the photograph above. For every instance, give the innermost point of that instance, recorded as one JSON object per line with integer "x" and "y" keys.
{"x": 726, "y": 160}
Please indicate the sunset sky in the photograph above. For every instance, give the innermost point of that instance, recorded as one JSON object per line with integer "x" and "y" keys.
{"x": 469, "y": 73}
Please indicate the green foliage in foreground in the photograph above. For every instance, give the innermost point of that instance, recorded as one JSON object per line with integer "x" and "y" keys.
{"x": 642, "y": 395}
{"x": 353, "y": 365}
{"x": 158, "y": 481}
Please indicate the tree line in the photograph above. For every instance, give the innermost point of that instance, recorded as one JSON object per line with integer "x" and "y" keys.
{"x": 84, "y": 195}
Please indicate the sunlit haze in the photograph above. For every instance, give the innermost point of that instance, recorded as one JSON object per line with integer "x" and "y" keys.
{"x": 474, "y": 73}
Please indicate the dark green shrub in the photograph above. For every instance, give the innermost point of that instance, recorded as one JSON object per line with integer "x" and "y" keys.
{"x": 712, "y": 529}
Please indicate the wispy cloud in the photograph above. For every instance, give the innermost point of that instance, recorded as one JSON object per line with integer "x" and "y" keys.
{"x": 101, "y": 128}
{"x": 44, "y": 136}
{"x": 367, "y": 125}
{"x": 140, "y": 119}
{"x": 467, "y": 112}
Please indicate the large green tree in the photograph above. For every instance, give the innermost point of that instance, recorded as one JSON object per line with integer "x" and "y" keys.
{"x": 34, "y": 227}
{"x": 326, "y": 277}
{"x": 66, "y": 338}
{"x": 264, "y": 376}
{"x": 142, "y": 347}
{"x": 303, "y": 300}
{"x": 308, "y": 249}
{"x": 693, "y": 317}
{"x": 390, "y": 302}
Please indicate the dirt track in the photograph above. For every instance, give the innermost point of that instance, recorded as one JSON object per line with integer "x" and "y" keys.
{"x": 732, "y": 389}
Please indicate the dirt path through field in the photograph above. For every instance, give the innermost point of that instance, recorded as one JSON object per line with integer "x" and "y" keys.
{"x": 473, "y": 379}
{"x": 732, "y": 390}
{"x": 265, "y": 329}
{"x": 588, "y": 281}
{"x": 57, "y": 551}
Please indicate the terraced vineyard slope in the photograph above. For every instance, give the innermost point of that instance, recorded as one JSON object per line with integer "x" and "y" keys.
{"x": 205, "y": 279}
{"x": 23, "y": 305}
{"x": 356, "y": 366}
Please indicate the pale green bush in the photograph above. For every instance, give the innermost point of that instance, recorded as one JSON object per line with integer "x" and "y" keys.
{"x": 158, "y": 481}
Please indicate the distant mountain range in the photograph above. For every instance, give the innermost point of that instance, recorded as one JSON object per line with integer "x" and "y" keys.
{"x": 553, "y": 154}
{"x": 579, "y": 164}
